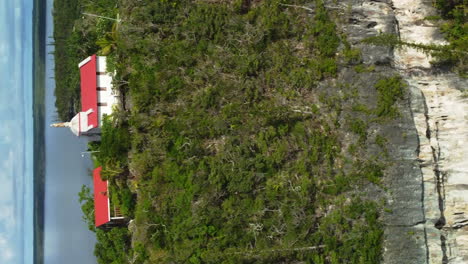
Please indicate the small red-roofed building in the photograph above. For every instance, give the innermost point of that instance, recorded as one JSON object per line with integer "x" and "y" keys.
{"x": 105, "y": 214}
{"x": 97, "y": 97}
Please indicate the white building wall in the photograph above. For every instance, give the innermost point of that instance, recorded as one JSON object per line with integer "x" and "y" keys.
{"x": 105, "y": 91}
{"x": 101, "y": 64}
{"x": 104, "y": 80}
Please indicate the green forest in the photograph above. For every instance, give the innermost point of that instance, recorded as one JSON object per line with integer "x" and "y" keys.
{"x": 235, "y": 143}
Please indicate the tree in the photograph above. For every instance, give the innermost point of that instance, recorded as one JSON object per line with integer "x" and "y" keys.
{"x": 87, "y": 206}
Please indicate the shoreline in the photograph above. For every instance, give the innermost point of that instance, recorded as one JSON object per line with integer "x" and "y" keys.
{"x": 39, "y": 54}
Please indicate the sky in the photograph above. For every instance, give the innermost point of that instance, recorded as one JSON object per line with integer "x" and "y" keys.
{"x": 16, "y": 160}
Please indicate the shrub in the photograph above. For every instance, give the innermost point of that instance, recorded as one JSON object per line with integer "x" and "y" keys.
{"x": 389, "y": 90}
{"x": 359, "y": 127}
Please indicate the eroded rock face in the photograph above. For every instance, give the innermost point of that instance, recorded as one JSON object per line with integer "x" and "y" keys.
{"x": 404, "y": 234}
{"x": 368, "y": 19}
{"x": 441, "y": 120}
{"x": 427, "y": 220}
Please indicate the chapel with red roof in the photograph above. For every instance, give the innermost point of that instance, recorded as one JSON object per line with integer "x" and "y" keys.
{"x": 106, "y": 215}
{"x": 97, "y": 100}
{"x": 97, "y": 97}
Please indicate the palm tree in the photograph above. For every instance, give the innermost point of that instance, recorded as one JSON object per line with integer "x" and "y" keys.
{"x": 108, "y": 42}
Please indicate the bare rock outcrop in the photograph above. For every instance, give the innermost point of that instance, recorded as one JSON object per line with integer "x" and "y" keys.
{"x": 427, "y": 218}
{"x": 442, "y": 123}
{"x": 405, "y": 233}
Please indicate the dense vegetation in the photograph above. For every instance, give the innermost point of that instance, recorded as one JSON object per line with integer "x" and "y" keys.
{"x": 230, "y": 151}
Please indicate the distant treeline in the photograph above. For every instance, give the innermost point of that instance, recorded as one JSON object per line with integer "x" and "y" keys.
{"x": 39, "y": 58}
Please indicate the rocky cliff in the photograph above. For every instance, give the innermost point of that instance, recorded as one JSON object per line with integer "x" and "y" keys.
{"x": 427, "y": 197}
{"x": 441, "y": 121}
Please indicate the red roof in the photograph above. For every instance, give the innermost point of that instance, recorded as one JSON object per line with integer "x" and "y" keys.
{"x": 101, "y": 199}
{"x": 89, "y": 89}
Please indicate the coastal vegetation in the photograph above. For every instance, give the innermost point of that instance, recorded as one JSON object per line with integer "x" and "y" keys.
{"x": 233, "y": 145}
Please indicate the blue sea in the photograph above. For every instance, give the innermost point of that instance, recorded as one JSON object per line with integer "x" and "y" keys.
{"x": 16, "y": 132}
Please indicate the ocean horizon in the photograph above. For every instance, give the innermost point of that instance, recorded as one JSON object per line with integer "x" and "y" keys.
{"x": 39, "y": 67}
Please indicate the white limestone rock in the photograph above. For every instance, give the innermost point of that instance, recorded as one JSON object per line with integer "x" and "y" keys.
{"x": 443, "y": 133}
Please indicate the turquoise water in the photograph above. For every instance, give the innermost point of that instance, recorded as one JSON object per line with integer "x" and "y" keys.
{"x": 16, "y": 132}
